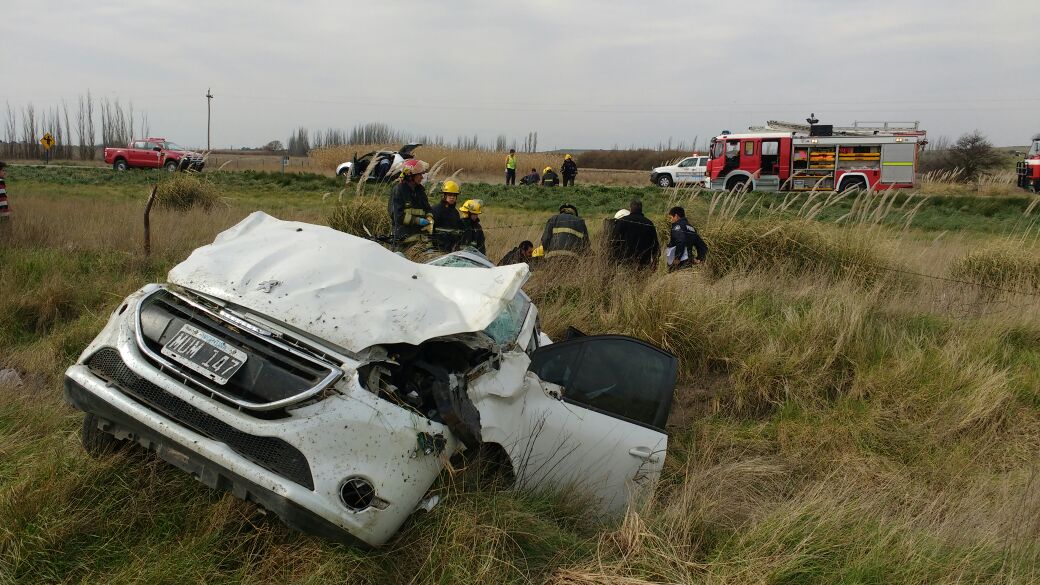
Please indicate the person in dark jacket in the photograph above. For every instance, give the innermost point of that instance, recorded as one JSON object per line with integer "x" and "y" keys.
{"x": 532, "y": 178}
{"x": 409, "y": 208}
{"x": 634, "y": 240}
{"x": 518, "y": 255}
{"x": 565, "y": 234}
{"x": 685, "y": 246}
{"x": 569, "y": 170}
{"x": 472, "y": 232}
{"x": 447, "y": 223}
{"x": 5, "y": 210}
{"x": 550, "y": 178}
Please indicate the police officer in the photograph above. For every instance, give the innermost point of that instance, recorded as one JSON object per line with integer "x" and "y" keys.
{"x": 447, "y": 224}
{"x": 565, "y": 234}
{"x": 684, "y": 242}
{"x": 472, "y": 233}
{"x": 409, "y": 208}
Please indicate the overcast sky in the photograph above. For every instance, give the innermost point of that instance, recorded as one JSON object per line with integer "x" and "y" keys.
{"x": 581, "y": 74}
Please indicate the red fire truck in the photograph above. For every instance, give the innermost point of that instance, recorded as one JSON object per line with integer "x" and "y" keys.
{"x": 783, "y": 156}
{"x": 1029, "y": 169}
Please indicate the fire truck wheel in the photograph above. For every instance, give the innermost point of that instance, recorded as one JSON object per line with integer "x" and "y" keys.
{"x": 736, "y": 184}
{"x": 852, "y": 184}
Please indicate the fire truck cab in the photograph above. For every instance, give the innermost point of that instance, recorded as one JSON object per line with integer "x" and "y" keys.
{"x": 791, "y": 157}
{"x": 1029, "y": 169}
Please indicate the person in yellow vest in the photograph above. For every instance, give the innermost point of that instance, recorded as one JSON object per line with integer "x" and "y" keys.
{"x": 511, "y": 167}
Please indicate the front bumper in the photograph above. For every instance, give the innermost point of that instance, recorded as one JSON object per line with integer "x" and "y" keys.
{"x": 295, "y": 464}
{"x": 85, "y": 394}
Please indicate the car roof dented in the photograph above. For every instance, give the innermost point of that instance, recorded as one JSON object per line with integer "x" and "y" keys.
{"x": 343, "y": 289}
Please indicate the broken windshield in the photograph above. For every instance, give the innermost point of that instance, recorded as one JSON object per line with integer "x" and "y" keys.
{"x": 506, "y": 327}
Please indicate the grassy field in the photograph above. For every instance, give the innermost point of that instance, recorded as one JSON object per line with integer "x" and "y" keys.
{"x": 839, "y": 419}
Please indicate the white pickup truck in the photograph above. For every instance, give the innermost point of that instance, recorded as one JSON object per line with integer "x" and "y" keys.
{"x": 691, "y": 169}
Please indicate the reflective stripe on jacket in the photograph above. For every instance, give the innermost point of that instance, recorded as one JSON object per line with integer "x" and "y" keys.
{"x": 565, "y": 234}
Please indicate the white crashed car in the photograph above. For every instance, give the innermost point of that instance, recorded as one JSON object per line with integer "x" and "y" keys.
{"x": 385, "y": 164}
{"x": 329, "y": 380}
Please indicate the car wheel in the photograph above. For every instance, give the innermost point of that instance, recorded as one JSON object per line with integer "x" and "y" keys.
{"x": 665, "y": 181}
{"x": 97, "y": 442}
{"x": 171, "y": 166}
{"x": 120, "y": 165}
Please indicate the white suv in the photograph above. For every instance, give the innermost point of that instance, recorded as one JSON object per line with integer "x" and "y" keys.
{"x": 691, "y": 169}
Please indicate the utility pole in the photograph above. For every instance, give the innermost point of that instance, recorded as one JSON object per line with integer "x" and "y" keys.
{"x": 209, "y": 100}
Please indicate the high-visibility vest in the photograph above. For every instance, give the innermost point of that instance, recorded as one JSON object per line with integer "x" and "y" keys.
{"x": 511, "y": 162}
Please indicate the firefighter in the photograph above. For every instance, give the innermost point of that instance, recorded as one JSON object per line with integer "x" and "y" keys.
{"x": 565, "y": 234}
{"x": 550, "y": 178}
{"x": 684, "y": 242}
{"x": 409, "y": 208}
{"x": 472, "y": 233}
{"x": 447, "y": 223}
{"x": 569, "y": 170}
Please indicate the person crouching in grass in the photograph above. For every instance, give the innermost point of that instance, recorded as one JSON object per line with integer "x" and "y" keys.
{"x": 5, "y": 209}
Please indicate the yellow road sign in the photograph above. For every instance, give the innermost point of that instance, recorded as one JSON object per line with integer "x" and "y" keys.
{"x": 47, "y": 141}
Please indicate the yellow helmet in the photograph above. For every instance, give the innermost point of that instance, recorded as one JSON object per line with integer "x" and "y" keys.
{"x": 473, "y": 206}
{"x": 546, "y": 170}
{"x": 566, "y": 157}
{"x": 451, "y": 188}
{"x": 538, "y": 252}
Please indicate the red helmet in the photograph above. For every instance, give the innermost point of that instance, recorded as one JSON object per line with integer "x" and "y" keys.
{"x": 414, "y": 166}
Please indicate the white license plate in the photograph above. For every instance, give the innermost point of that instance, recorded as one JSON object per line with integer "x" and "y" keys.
{"x": 205, "y": 354}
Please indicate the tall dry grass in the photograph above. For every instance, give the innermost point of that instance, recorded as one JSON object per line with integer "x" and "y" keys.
{"x": 468, "y": 161}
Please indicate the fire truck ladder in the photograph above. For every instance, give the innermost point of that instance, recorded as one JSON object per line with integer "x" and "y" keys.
{"x": 858, "y": 128}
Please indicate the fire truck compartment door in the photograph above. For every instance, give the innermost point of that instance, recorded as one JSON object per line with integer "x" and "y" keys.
{"x": 897, "y": 163}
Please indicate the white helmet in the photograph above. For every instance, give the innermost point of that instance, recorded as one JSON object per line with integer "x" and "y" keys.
{"x": 621, "y": 213}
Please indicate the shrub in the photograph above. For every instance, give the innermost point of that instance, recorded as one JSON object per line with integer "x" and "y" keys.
{"x": 793, "y": 246}
{"x": 359, "y": 213}
{"x": 184, "y": 191}
{"x": 1000, "y": 267}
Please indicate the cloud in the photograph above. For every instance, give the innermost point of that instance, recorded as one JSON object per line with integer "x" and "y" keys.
{"x": 582, "y": 74}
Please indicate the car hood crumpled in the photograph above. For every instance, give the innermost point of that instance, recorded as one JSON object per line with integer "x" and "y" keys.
{"x": 345, "y": 290}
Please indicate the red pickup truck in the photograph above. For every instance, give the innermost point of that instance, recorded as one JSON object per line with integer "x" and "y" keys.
{"x": 153, "y": 153}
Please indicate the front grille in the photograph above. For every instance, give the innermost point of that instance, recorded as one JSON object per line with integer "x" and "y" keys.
{"x": 270, "y": 453}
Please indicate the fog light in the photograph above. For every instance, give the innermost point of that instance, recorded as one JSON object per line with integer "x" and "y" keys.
{"x": 357, "y": 493}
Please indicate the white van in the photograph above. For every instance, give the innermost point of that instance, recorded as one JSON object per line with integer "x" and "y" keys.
{"x": 691, "y": 169}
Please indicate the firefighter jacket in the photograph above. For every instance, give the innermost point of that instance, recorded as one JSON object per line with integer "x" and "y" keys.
{"x": 550, "y": 179}
{"x": 569, "y": 168}
{"x": 472, "y": 235}
{"x": 686, "y": 241}
{"x": 565, "y": 234}
{"x": 408, "y": 204}
{"x": 447, "y": 227}
{"x": 634, "y": 241}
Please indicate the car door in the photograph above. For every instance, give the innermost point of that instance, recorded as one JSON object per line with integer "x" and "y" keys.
{"x": 685, "y": 170}
{"x": 605, "y": 435}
